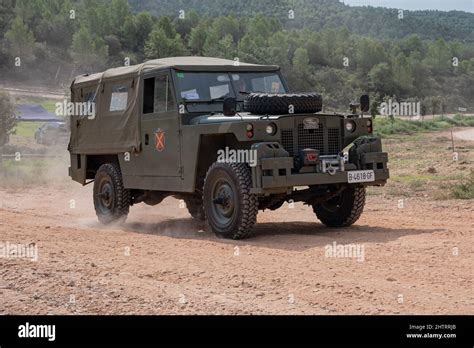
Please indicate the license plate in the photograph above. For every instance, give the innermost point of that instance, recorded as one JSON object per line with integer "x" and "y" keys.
{"x": 360, "y": 176}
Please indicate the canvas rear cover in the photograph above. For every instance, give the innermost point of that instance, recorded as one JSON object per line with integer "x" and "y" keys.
{"x": 116, "y": 125}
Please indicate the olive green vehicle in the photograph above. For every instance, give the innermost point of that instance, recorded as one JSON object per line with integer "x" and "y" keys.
{"x": 224, "y": 136}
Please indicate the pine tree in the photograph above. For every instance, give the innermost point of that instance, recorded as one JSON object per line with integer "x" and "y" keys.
{"x": 20, "y": 38}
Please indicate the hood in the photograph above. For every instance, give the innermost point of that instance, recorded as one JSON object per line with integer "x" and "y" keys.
{"x": 246, "y": 116}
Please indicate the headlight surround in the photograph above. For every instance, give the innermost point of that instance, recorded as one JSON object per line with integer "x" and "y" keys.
{"x": 350, "y": 126}
{"x": 271, "y": 129}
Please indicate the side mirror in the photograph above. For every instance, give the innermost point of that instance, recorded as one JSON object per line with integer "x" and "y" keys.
{"x": 229, "y": 106}
{"x": 364, "y": 103}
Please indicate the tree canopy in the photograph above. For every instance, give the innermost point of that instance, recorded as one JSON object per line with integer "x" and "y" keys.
{"x": 337, "y": 50}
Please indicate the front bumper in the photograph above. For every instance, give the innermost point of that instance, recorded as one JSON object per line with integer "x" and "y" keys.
{"x": 273, "y": 172}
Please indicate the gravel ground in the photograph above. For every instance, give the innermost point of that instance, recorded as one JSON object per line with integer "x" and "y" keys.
{"x": 414, "y": 258}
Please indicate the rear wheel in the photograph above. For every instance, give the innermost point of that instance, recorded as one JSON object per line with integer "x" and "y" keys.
{"x": 111, "y": 199}
{"x": 343, "y": 209}
{"x": 231, "y": 210}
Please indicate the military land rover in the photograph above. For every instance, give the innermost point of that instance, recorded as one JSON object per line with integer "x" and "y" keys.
{"x": 227, "y": 138}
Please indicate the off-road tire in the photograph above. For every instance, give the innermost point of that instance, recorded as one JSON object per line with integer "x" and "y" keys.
{"x": 116, "y": 208}
{"x": 234, "y": 178}
{"x": 195, "y": 207}
{"x": 342, "y": 210}
{"x": 277, "y": 104}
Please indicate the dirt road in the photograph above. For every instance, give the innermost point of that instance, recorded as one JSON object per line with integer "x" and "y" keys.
{"x": 416, "y": 258}
{"x": 465, "y": 134}
{"x": 21, "y": 92}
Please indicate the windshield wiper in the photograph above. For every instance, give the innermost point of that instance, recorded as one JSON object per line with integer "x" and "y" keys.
{"x": 247, "y": 93}
{"x": 203, "y": 100}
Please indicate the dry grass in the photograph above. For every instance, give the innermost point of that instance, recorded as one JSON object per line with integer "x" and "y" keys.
{"x": 422, "y": 165}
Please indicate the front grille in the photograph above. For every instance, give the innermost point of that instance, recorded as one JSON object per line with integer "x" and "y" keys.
{"x": 310, "y": 138}
{"x": 327, "y": 141}
{"x": 334, "y": 141}
{"x": 287, "y": 140}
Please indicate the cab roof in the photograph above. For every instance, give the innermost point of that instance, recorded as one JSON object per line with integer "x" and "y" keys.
{"x": 191, "y": 63}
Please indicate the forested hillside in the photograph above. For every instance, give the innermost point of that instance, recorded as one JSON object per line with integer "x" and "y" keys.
{"x": 337, "y": 50}
{"x": 328, "y": 14}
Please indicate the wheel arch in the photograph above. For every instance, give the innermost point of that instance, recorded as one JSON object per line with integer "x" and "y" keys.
{"x": 93, "y": 163}
{"x": 209, "y": 145}
{"x": 85, "y": 167}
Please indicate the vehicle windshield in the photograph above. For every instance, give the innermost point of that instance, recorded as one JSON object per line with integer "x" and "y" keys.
{"x": 205, "y": 86}
{"x": 263, "y": 82}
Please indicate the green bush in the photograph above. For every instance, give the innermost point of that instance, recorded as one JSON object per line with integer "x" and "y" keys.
{"x": 465, "y": 189}
{"x": 386, "y": 126}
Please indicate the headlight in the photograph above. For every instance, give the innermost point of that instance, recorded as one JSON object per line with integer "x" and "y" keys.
{"x": 249, "y": 130}
{"x": 271, "y": 129}
{"x": 350, "y": 126}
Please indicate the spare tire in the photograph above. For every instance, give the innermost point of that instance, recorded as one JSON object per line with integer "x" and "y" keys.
{"x": 277, "y": 104}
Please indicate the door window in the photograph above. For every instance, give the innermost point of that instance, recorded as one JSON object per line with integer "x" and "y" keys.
{"x": 157, "y": 95}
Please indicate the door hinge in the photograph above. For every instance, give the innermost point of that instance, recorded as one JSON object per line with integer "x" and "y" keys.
{"x": 181, "y": 170}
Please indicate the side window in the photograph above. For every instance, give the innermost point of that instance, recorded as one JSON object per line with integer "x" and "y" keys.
{"x": 89, "y": 97}
{"x": 119, "y": 98}
{"x": 90, "y": 107}
{"x": 158, "y": 96}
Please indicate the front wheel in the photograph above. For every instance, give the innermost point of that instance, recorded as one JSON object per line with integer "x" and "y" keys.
{"x": 230, "y": 208}
{"x": 342, "y": 210}
{"x": 111, "y": 199}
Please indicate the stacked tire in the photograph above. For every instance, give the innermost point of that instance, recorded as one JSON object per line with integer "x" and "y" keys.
{"x": 278, "y": 104}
